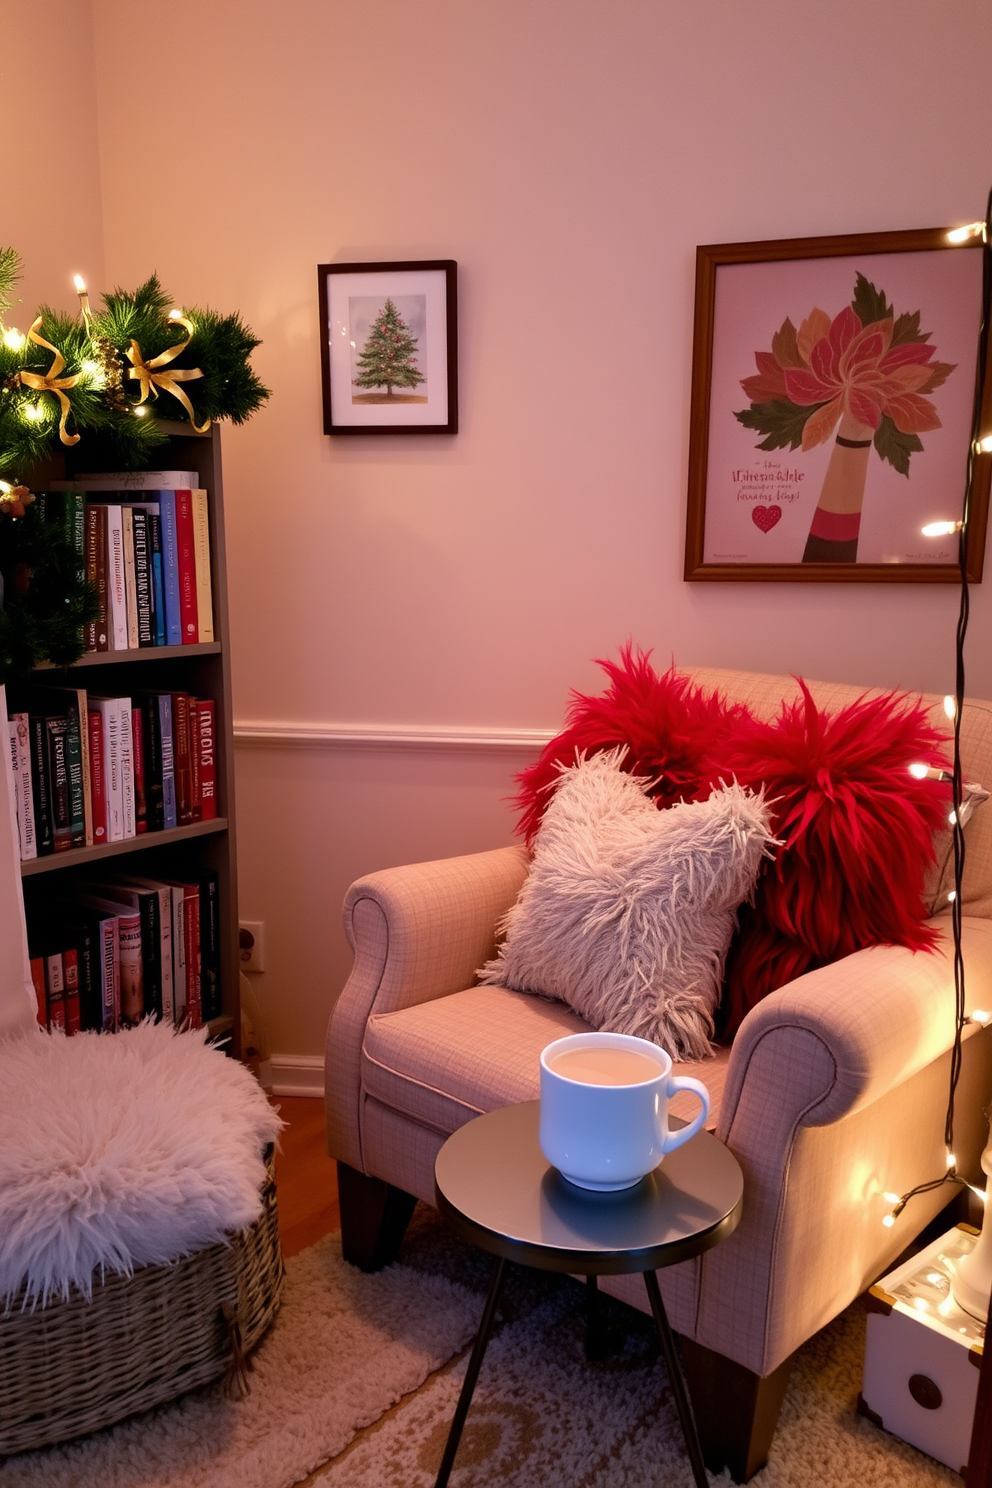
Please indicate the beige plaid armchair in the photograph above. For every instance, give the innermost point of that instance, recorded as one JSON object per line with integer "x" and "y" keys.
{"x": 833, "y": 1092}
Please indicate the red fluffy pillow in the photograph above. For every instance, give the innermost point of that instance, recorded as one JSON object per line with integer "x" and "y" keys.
{"x": 676, "y": 735}
{"x": 857, "y": 831}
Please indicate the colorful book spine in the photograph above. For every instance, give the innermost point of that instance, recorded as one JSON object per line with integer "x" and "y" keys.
{"x": 169, "y": 814}
{"x": 74, "y": 769}
{"x": 201, "y": 549}
{"x": 98, "y": 791}
{"x": 140, "y": 789}
{"x": 158, "y": 586}
{"x": 40, "y": 786}
{"x": 127, "y": 769}
{"x": 207, "y": 758}
{"x": 143, "y": 576}
{"x": 182, "y": 758}
{"x": 116, "y": 581}
{"x": 55, "y": 989}
{"x": 56, "y": 729}
{"x": 70, "y": 979}
{"x": 130, "y": 582}
{"x": 186, "y": 554}
{"x": 97, "y": 635}
{"x": 109, "y": 710}
{"x": 210, "y": 993}
{"x": 23, "y": 794}
{"x": 170, "y": 567}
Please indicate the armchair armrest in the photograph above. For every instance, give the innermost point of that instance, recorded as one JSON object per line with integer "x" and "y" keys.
{"x": 836, "y": 1092}
{"x": 418, "y": 933}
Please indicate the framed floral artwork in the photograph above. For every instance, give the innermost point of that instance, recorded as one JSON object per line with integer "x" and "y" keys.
{"x": 833, "y": 404}
{"x": 389, "y": 347}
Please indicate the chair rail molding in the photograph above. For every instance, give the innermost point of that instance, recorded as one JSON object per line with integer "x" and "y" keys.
{"x": 285, "y": 734}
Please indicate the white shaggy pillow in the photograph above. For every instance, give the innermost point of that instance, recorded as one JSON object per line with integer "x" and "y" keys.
{"x": 122, "y": 1150}
{"x": 628, "y": 911}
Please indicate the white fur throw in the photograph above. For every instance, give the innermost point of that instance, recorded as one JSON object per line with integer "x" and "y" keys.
{"x": 122, "y": 1150}
{"x": 628, "y": 911}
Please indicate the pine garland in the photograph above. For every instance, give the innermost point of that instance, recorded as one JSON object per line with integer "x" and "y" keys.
{"x": 106, "y": 378}
{"x": 101, "y": 380}
{"x": 44, "y": 598}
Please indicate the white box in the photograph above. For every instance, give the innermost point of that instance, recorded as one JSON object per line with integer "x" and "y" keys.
{"x": 922, "y": 1353}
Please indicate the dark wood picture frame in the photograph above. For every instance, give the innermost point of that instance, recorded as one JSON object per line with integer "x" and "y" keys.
{"x": 710, "y": 259}
{"x": 353, "y": 299}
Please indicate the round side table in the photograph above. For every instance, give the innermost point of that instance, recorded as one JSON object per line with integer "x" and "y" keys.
{"x": 495, "y": 1188}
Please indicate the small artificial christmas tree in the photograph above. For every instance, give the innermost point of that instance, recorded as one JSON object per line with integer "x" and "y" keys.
{"x": 387, "y": 358}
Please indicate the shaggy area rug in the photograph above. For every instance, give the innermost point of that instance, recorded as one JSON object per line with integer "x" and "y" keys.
{"x": 350, "y": 1387}
{"x": 542, "y": 1417}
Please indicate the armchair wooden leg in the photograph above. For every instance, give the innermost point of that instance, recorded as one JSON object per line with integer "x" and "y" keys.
{"x": 736, "y": 1411}
{"x": 374, "y": 1217}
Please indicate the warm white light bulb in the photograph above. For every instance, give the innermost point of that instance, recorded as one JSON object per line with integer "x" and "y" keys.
{"x": 950, "y": 706}
{"x": 950, "y": 1159}
{"x": 984, "y": 445}
{"x": 952, "y": 896}
{"x": 139, "y": 412}
{"x": 891, "y": 1198}
{"x": 175, "y": 314}
{"x": 80, "y": 283}
{"x": 13, "y": 339}
{"x": 5, "y": 488}
{"x": 970, "y": 230}
{"x": 940, "y": 529}
{"x": 889, "y": 1221}
{"x": 981, "y": 1015}
{"x": 32, "y": 412}
{"x": 918, "y": 771}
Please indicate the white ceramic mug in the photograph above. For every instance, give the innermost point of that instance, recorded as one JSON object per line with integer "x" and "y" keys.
{"x": 608, "y": 1136}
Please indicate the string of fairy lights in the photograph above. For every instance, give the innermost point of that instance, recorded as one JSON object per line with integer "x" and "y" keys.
{"x": 978, "y": 444}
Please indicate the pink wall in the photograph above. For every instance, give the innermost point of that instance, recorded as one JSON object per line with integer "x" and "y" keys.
{"x": 570, "y": 156}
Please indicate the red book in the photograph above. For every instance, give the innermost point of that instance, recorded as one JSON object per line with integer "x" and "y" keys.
{"x": 191, "y": 948}
{"x": 182, "y": 757}
{"x": 186, "y": 556}
{"x": 70, "y": 975}
{"x": 194, "y": 758}
{"x": 55, "y": 990}
{"x": 97, "y": 788}
{"x": 206, "y": 758}
{"x": 38, "y": 977}
{"x": 138, "y": 752}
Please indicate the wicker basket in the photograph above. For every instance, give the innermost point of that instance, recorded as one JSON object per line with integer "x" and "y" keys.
{"x": 73, "y": 1367}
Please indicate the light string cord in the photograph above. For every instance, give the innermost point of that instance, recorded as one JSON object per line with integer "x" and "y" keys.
{"x": 957, "y": 786}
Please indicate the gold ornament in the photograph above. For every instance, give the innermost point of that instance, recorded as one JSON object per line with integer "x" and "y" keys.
{"x": 51, "y": 382}
{"x": 151, "y": 378}
{"x": 14, "y": 500}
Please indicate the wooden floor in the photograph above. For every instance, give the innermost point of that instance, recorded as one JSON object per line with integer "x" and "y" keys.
{"x": 306, "y": 1178}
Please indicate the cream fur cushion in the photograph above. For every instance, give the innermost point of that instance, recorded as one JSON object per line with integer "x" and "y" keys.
{"x": 628, "y": 911}
{"x": 122, "y": 1150}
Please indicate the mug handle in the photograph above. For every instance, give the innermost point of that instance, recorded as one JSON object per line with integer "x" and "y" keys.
{"x": 669, "y": 1140}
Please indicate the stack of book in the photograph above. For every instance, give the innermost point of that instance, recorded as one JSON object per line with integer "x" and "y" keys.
{"x": 145, "y": 542}
{"x": 118, "y": 948}
{"x": 89, "y": 769}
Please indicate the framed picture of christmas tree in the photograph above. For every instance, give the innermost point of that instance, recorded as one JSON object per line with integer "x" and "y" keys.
{"x": 833, "y": 415}
{"x": 389, "y": 347}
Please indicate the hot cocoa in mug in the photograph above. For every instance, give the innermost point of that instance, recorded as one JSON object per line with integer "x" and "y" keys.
{"x": 604, "y": 1108}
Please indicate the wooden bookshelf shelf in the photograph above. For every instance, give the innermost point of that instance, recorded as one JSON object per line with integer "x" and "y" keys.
{"x": 138, "y": 658}
{"x": 148, "y": 841}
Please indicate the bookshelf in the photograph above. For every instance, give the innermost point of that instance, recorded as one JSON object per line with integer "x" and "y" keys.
{"x": 203, "y": 670}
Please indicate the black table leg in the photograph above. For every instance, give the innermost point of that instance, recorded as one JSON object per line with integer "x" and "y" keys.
{"x": 472, "y": 1373}
{"x": 677, "y": 1382}
{"x": 595, "y": 1340}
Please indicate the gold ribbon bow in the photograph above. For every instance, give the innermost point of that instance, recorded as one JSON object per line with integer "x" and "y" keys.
{"x": 52, "y": 382}
{"x": 151, "y": 377}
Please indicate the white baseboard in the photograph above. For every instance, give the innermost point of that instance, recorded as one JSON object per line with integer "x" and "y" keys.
{"x": 293, "y": 1074}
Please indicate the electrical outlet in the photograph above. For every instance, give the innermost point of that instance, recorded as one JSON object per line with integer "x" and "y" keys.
{"x": 251, "y": 943}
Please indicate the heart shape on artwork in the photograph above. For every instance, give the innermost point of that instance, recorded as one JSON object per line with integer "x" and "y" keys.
{"x": 765, "y": 517}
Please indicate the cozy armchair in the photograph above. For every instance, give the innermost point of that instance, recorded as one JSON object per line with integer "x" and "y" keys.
{"x": 833, "y": 1093}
